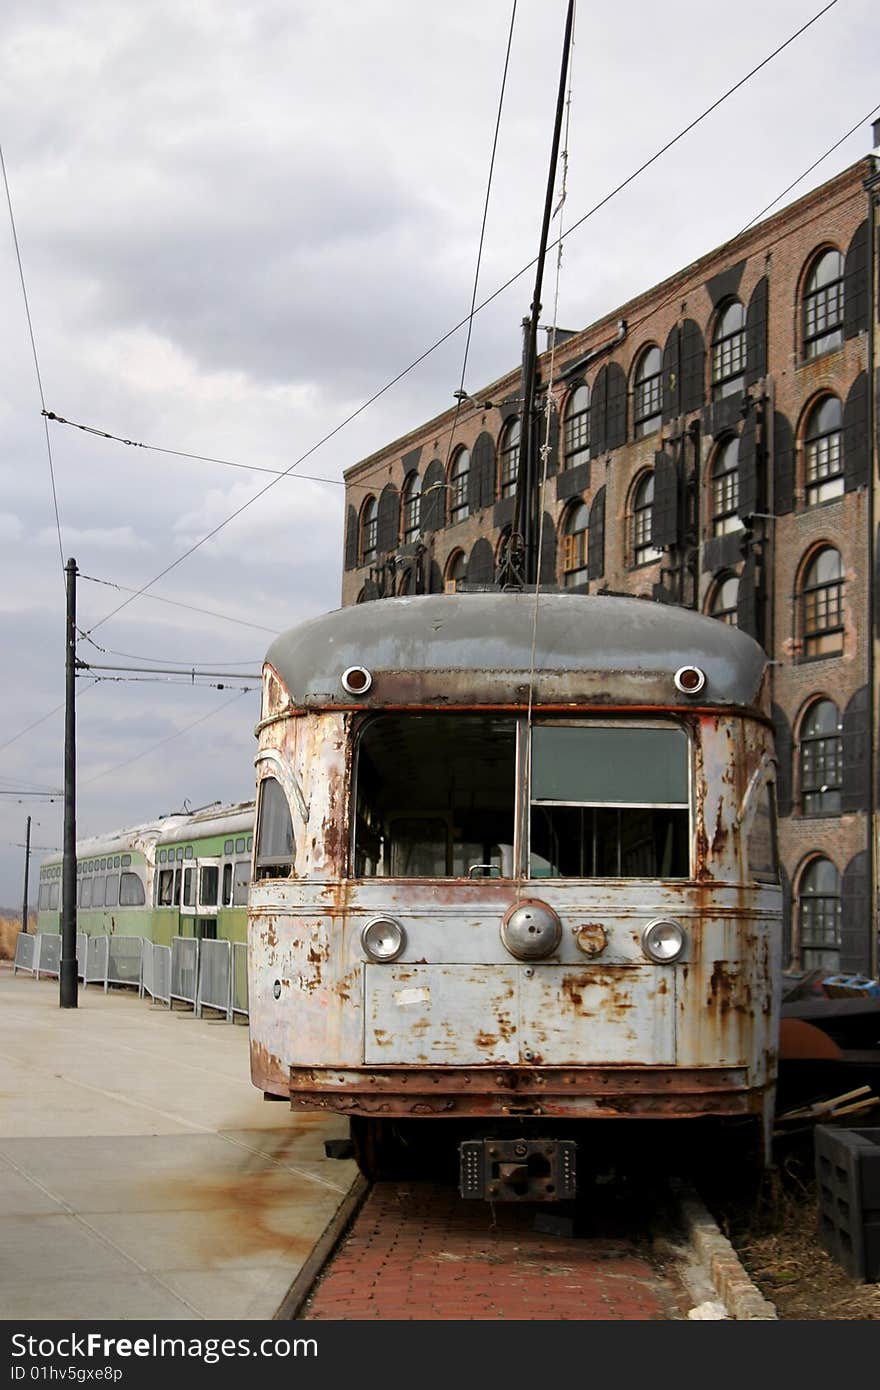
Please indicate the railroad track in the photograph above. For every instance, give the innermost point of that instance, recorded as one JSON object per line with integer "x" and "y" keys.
{"x": 414, "y": 1250}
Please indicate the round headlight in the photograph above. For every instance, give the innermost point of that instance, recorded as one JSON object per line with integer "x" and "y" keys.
{"x": 383, "y": 938}
{"x": 690, "y": 680}
{"x": 663, "y": 941}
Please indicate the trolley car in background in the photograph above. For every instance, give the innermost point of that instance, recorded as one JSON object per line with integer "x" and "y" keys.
{"x": 515, "y": 876}
{"x": 185, "y": 874}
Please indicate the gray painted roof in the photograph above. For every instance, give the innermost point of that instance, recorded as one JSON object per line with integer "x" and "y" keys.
{"x": 580, "y": 641}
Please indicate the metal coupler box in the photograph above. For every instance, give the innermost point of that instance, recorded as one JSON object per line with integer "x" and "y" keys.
{"x": 518, "y": 1170}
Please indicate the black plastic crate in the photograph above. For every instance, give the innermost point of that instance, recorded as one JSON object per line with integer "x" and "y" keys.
{"x": 848, "y": 1183}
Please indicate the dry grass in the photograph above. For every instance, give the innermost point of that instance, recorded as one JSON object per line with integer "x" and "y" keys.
{"x": 10, "y": 926}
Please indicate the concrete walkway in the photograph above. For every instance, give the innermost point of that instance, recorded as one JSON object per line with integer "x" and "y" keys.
{"x": 143, "y": 1177}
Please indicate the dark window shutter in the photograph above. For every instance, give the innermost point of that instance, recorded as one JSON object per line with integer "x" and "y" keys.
{"x": 747, "y": 466}
{"x": 756, "y": 333}
{"x": 388, "y": 519}
{"x": 671, "y": 377}
{"x": 548, "y": 550}
{"x": 747, "y": 616}
{"x": 786, "y": 917}
{"x": 615, "y": 408}
{"x": 435, "y": 578}
{"x": 783, "y": 465}
{"x": 693, "y": 367}
{"x": 855, "y": 916}
{"x": 351, "y": 539}
{"x": 856, "y": 753}
{"x": 665, "y": 512}
{"x": 784, "y": 747}
{"x": 481, "y": 563}
{"x": 481, "y": 482}
{"x": 598, "y": 401}
{"x": 432, "y": 507}
{"x": 855, "y": 284}
{"x": 725, "y": 285}
{"x": 371, "y": 591}
{"x": 855, "y": 435}
{"x": 596, "y": 538}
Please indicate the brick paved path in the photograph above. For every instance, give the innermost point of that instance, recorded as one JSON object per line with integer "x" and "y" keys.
{"x": 418, "y": 1252}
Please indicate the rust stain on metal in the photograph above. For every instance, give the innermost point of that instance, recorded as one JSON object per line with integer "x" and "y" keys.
{"x": 591, "y": 937}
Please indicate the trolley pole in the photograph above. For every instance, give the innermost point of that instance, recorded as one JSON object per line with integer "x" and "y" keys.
{"x": 27, "y": 860}
{"x": 67, "y": 969}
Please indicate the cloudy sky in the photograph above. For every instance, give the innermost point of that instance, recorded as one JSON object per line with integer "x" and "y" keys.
{"x": 240, "y": 220}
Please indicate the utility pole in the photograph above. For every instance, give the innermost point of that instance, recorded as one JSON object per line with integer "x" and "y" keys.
{"x": 67, "y": 969}
{"x": 27, "y": 860}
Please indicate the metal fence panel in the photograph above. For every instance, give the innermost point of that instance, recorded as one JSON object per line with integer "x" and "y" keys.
{"x": 215, "y": 982}
{"x": 124, "y": 961}
{"x": 97, "y": 951}
{"x": 239, "y": 979}
{"x": 82, "y": 944}
{"x": 25, "y": 950}
{"x": 184, "y": 969}
{"x": 156, "y": 972}
{"x": 48, "y": 954}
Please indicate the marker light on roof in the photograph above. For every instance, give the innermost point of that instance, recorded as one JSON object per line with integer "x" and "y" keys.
{"x": 690, "y": 680}
{"x": 356, "y": 680}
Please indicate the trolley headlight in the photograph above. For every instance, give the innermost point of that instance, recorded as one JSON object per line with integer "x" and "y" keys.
{"x": 383, "y": 938}
{"x": 663, "y": 941}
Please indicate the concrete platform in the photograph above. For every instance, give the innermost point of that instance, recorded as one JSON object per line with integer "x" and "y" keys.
{"x": 143, "y": 1176}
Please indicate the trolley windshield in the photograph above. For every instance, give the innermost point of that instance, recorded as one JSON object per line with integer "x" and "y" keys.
{"x": 442, "y": 796}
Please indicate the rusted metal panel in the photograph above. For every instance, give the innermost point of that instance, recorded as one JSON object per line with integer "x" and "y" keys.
{"x": 597, "y": 1015}
{"x": 510, "y": 1092}
{"x": 436, "y": 1013}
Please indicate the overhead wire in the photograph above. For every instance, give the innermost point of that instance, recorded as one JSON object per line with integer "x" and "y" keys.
{"x": 89, "y": 781}
{"x": 27, "y": 310}
{"x": 428, "y": 351}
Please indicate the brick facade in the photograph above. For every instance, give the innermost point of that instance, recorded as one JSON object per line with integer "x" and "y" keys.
{"x": 750, "y": 485}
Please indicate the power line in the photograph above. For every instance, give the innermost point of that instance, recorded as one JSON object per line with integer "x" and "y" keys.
{"x": 421, "y": 358}
{"x": 169, "y": 660}
{"x": 42, "y": 719}
{"x": 177, "y": 734}
{"x": 175, "y": 603}
{"x": 27, "y": 310}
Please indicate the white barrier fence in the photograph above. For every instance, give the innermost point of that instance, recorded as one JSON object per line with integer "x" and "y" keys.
{"x": 204, "y": 974}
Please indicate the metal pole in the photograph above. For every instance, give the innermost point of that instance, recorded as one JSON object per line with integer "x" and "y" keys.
{"x": 527, "y": 518}
{"x": 27, "y": 858}
{"x": 67, "y": 969}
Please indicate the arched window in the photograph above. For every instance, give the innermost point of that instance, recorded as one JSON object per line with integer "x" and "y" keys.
{"x": 575, "y": 535}
{"x": 412, "y": 499}
{"x": 275, "y": 844}
{"x": 576, "y": 427}
{"x": 508, "y": 450}
{"x": 729, "y": 351}
{"x": 647, "y": 393}
{"x": 725, "y": 489}
{"x": 722, "y": 604}
{"x": 819, "y": 915}
{"x": 823, "y": 452}
{"x": 641, "y": 522}
{"x": 456, "y": 567}
{"x": 821, "y": 760}
{"x": 822, "y": 604}
{"x": 823, "y": 304}
{"x": 461, "y": 468}
{"x": 369, "y": 530}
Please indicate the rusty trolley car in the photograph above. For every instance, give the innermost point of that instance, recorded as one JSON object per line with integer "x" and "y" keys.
{"x": 515, "y": 875}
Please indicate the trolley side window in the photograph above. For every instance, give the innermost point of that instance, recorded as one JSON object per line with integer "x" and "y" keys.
{"x": 435, "y": 797}
{"x": 275, "y": 843}
{"x": 131, "y": 891}
{"x": 609, "y": 802}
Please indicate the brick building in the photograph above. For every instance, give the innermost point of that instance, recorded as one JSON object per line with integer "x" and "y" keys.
{"x": 711, "y": 443}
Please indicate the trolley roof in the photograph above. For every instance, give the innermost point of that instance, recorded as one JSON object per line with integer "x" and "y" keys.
{"x": 478, "y": 648}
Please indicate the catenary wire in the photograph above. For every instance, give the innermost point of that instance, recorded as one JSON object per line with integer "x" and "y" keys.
{"x": 88, "y": 781}
{"x": 27, "y": 310}
{"x": 400, "y": 375}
